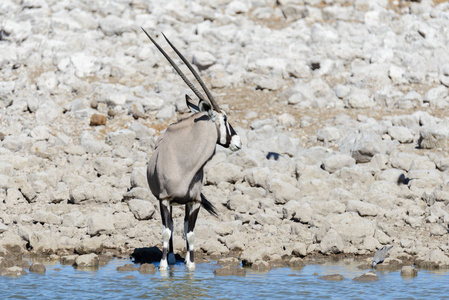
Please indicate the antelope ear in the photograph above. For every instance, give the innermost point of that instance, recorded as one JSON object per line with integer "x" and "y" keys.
{"x": 194, "y": 108}
{"x": 206, "y": 108}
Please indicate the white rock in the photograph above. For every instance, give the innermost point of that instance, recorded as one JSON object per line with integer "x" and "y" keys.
{"x": 283, "y": 191}
{"x": 371, "y": 244}
{"x": 294, "y": 12}
{"x": 342, "y": 91}
{"x": 295, "y": 98}
{"x": 113, "y": 25}
{"x": 391, "y": 175}
{"x": 19, "y": 31}
{"x": 303, "y": 213}
{"x": 100, "y": 224}
{"x": 343, "y": 224}
{"x": 299, "y": 249}
{"x": 267, "y": 83}
{"x": 328, "y": 134}
{"x": 330, "y": 207}
{"x": 424, "y": 178}
{"x": 299, "y": 69}
{"x": 203, "y": 60}
{"x": 362, "y": 208}
{"x": 258, "y": 177}
{"x": 166, "y": 113}
{"x": 47, "y": 82}
{"x": 224, "y": 172}
{"x": 46, "y": 217}
{"x": 437, "y": 256}
{"x": 87, "y": 260}
{"x": 437, "y": 96}
{"x": 362, "y": 146}
{"x": 6, "y": 88}
{"x": 437, "y": 230}
{"x": 6, "y": 169}
{"x": 409, "y": 271}
{"x": 401, "y": 134}
{"x": 332, "y": 243}
{"x": 139, "y": 177}
{"x": 92, "y": 145}
{"x": 141, "y": 209}
{"x": 85, "y": 65}
{"x": 40, "y": 133}
{"x": 8, "y": 55}
{"x": 286, "y": 120}
{"x": 434, "y": 137}
{"x": 337, "y": 161}
{"x": 152, "y": 103}
{"x": 3, "y": 227}
{"x": 359, "y": 98}
{"x": 236, "y": 7}
{"x": 122, "y": 137}
{"x": 110, "y": 166}
{"x": 47, "y": 112}
{"x": 141, "y": 130}
{"x": 396, "y": 74}
{"x": 86, "y": 19}
{"x": 267, "y": 219}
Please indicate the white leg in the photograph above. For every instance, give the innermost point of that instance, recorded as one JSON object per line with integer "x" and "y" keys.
{"x": 191, "y": 241}
{"x": 187, "y": 241}
{"x": 187, "y": 259}
{"x": 166, "y": 233}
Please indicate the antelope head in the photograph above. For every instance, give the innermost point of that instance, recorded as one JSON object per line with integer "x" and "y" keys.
{"x": 227, "y": 137}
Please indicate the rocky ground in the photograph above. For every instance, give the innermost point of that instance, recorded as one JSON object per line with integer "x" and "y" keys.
{"x": 341, "y": 106}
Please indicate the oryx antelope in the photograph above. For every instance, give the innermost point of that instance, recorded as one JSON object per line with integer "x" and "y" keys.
{"x": 175, "y": 169}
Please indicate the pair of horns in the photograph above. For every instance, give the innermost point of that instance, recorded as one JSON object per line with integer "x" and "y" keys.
{"x": 186, "y": 80}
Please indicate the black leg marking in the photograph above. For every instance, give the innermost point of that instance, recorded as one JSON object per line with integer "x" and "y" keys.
{"x": 192, "y": 210}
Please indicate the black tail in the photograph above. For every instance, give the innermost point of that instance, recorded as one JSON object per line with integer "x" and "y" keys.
{"x": 208, "y": 206}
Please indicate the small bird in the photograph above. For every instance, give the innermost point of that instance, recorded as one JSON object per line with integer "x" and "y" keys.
{"x": 380, "y": 255}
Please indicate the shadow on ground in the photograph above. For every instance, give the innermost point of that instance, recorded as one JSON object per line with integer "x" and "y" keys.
{"x": 148, "y": 255}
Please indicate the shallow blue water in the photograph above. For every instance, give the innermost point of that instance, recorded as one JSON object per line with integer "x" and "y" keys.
{"x": 178, "y": 282}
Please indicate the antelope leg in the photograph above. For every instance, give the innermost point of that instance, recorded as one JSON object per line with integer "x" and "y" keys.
{"x": 192, "y": 210}
{"x": 166, "y": 232}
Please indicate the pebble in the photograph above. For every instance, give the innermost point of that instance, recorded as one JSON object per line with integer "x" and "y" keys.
{"x": 333, "y": 277}
{"x": 37, "y": 268}
{"x": 409, "y": 271}
{"x": 367, "y": 277}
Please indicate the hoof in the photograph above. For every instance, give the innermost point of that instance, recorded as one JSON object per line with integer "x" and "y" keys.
{"x": 190, "y": 266}
{"x": 163, "y": 265}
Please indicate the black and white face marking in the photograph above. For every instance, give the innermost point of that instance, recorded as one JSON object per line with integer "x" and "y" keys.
{"x": 227, "y": 137}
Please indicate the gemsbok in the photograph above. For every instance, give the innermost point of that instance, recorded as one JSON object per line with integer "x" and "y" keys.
{"x": 175, "y": 170}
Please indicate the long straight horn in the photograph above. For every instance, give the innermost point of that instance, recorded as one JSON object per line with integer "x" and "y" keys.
{"x": 197, "y": 77}
{"x": 186, "y": 80}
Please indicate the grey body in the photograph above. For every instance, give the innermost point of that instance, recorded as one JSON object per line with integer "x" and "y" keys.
{"x": 380, "y": 255}
{"x": 175, "y": 169}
